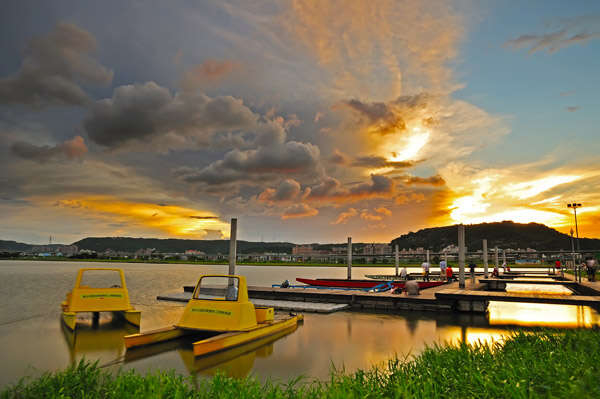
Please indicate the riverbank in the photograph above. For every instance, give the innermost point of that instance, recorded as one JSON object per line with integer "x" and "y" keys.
{"x": 279, "y": 264}
{"x": 556, "y": 364}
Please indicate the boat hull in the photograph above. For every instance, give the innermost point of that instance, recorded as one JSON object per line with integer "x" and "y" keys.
{"x": 341, "y": 283}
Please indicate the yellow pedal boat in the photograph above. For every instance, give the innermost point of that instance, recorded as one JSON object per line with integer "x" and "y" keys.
{"x": 221, "y": 314}
{"x": 84, "y": 298}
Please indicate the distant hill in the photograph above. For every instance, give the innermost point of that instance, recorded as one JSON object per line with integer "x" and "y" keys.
{"x": 128, "y": 244}
{"x": 501, "y": 234}
{"x": 14, "y": 246}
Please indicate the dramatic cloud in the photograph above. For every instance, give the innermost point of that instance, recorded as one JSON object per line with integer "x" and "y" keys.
{"x": 261, "y": 165}
{"x": 288, "y": 190}
{"x": 331, "y": 190}
{"x": 141, "y": 113}
{"x": 299, "y": 211}
{"x": 420, "y": 127}
{"x": 208, "y": 73}
{"x": 522, "y": 194}
{"x": 570, "y": 31}
{"x": 70, "y": 149}
{"x": 394, "y": 116}
{"x": 53, "y": 68}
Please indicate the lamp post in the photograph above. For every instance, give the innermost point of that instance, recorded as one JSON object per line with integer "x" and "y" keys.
{"x": 575, "y": 205}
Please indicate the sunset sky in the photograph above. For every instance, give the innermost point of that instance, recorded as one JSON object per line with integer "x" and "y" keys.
{"x": 309, "y": 121}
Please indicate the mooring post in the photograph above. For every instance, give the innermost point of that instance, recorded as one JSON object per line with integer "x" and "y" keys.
{"x": 496, "y": 258}
{"x": 349, "y": 258}
{"x": 461, "y": 255}
{"x": 485, "y": 259}
{"x": 396, "y": 258}
{"x": 232, "y": 246}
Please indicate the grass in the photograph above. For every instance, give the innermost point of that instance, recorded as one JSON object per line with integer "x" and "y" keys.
{"x": 547, "y": 364}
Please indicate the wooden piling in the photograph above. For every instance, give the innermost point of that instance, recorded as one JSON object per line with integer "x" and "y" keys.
{"x": 461, "y": 255}
{"x": 485, "y": 258}
{"x": 349, "y": 261}
{"x": 396, "y": 258}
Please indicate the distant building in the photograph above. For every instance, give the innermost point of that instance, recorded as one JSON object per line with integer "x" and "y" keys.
{"x": 194, "y": 252}
{"x": 377, "y": 249}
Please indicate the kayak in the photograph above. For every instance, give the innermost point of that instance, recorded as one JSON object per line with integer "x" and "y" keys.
{"x": 343, "y": 283}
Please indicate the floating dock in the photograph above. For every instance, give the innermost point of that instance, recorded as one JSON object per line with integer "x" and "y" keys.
{"x": 292, "y": 306}
{"x": 445, "y": 298}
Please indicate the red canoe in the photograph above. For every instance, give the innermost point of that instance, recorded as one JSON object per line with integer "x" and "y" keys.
{"x": 334, "y": 282}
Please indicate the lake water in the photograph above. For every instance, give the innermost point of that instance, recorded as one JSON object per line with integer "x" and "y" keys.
{"x": 33, "y": 339}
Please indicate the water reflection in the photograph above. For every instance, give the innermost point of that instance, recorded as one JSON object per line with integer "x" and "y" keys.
{"x": 538, "y": 289}
{"x": 542, "y": 315}
{"x": 235, "y": 362}
{"x": 97, "y": 341}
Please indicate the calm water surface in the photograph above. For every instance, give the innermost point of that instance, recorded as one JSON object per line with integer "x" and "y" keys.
{"x": 33, "y": 339}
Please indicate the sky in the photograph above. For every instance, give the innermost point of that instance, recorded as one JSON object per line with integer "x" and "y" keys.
{"x": 309, "y": 121}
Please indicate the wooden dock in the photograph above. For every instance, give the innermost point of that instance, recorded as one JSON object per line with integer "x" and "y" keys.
{"x": 499, "y": 284}
{"x": 444, "y": 298}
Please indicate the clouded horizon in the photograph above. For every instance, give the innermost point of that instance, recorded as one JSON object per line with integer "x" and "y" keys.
{"x": 309, "y": 121}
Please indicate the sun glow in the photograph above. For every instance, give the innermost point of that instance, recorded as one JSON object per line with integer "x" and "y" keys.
{"x": 171, "y": 219}
{"x": 410, "y": 146}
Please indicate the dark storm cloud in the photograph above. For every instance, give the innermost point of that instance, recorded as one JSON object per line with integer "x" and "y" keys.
{"x": 145, "y": 112}
{"x": 262, "y": 164}
{"x": 288, "y": 190}
{"x": 53, "y": 68}
{"x": 70, "y": 149}
{"x": 330, "y": 189}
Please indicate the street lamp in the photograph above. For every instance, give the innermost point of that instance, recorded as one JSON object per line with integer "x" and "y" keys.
{"x": 575, "y": 205}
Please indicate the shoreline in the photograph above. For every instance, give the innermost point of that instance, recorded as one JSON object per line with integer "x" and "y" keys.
{"x": 275, "y": 264}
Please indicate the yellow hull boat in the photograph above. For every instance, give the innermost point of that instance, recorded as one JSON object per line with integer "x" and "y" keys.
{"x": 222, "y": 314}
{"x": 84, "y": 298}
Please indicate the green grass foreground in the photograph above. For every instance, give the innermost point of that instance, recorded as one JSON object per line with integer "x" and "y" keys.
{"x": 556, "y": 364}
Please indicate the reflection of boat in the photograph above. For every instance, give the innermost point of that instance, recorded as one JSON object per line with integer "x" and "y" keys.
{"x": 221, "y": 315}
{"x": 235, "y": 362}
{"x": 84, "y": 298}
{"x": 89, "y": 341}
{"x": 342, "y": 283}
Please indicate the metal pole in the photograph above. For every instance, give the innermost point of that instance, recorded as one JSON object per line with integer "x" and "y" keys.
{"x": 427, "y": 256}
{"x": 461, "y": 255}
{"x": 485, "y": 259}
{"x": 232, "y": 246}
{"x": 396, "y": 258}
{"x": 504, "y": 258}
{"x": 576, "y": 229}
{"x": 349, "y": 258}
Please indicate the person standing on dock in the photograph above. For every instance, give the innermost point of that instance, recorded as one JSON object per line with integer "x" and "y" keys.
{"x": 472, "y": 266}
{"x": 443, "y": 267}
{"x": 591, "y": 269}
{"x": 425, "y": 266}
{"x": 449, "y": 274}
{"x": 403, "y": 273}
